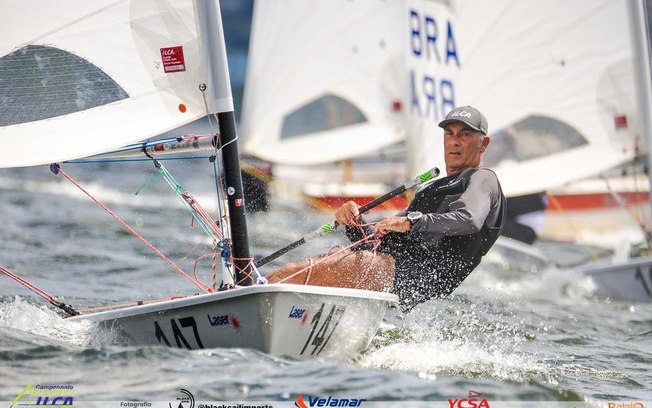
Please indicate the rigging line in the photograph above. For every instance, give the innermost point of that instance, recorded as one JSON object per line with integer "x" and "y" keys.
{"x": 148, "y": 182}
{"x": 628, "y": 208}
{"x": 210, "y": 123}
{"x": 212, "y": 228}
{"x": 225, "y": 225}
{"x": 214, "y": 267}
{"x": 51, "y": 299}
{"x": 571, "y": 224}
{"x": 244, "y": 269}
{"x": 130, "y": 229}
{"x": 198, "y": 213}
{"x": 219, "y": 192}
{"x": 212, "y": 287}
{"x": 215, "y": 157}
{"x": 252, "y": 270}
{"x": 369, "y": 268}
{"x": 641, "y": 213}
{"x": 219, "y": 182}
{"x": 329, "y": 255}
{"x": 235, "y": 139}
{"x": 135, "y": 160}
{"x": 129, "y": 304}
{"x": 202, "y": 88}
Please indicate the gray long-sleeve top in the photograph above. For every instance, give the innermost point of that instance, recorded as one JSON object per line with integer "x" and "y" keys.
{"x": 467, "y": 212}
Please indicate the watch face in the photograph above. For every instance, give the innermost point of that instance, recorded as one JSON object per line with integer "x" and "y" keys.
{"x": 413, "y": 216}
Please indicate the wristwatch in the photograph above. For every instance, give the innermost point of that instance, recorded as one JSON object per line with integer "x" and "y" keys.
{"x": 414, "y": 216}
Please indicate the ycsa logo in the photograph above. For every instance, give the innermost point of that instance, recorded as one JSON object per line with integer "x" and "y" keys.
{"x": 474, "y": 400}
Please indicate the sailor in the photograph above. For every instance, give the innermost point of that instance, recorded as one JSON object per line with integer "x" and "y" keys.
{"x": 427, "y": 250}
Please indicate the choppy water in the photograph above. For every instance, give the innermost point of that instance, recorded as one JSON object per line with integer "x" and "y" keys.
{"x": 515, "y": 336}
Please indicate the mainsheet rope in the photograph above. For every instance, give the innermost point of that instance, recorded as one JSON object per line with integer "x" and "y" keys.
{"x": 51, "y": 299}
{"x": 128, "y": 304}
{"x": 372, "y": 238}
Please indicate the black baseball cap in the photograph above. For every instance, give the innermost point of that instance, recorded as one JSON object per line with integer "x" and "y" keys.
{"x": 468, "y": 115}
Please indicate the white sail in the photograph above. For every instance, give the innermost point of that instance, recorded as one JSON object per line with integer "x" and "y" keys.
{"x": 325, "y": 80}
{"x": 82, "y": 77}
{"x": 554, "y": 78}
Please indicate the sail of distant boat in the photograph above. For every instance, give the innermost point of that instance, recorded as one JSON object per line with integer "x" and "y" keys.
{"x": 558, "y": 87}
{"x": 333, "y": 92}
{"x": 628, "y": 275}
{"x": 554, "y": 78}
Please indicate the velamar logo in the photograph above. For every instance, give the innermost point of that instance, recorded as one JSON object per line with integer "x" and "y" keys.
{"x": 44, "y": 395}
{"x": 327, "y": 402}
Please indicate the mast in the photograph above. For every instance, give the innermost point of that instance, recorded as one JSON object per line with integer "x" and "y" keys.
{"x": 220, "y": 101}
{"x": 643, "y": 75}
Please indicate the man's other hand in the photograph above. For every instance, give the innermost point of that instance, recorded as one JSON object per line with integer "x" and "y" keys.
{"x": 348, "y": 214}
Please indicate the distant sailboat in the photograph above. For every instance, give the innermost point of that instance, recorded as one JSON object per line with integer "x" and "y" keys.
{"x": 559, "y": 111}
{"x": 631, "y": 279}
{"x": 325, "y": 105}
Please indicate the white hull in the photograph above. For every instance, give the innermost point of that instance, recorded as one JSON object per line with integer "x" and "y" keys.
{"x": 280, "y": 319}
{"x": 630, "y": 280}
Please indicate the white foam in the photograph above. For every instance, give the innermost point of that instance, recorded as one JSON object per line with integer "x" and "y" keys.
{"x": 458, "y": 338}
{"x": 454, "y": 357}
{"x": 21, "y": 315}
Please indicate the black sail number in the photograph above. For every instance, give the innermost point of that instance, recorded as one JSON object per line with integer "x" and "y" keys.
{"x": 322, "y": 330}
{"x": 179, "y": 338}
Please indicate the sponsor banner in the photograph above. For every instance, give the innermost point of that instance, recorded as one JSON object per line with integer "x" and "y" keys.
{"x": 177, "y": 403}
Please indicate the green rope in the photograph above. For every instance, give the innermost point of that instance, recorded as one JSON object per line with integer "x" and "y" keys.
{"x": 148, "y": 182}
{"x": 179, "y": 191}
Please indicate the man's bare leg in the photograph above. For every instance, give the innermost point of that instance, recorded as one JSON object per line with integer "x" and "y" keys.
{"x": 348, "y": 269}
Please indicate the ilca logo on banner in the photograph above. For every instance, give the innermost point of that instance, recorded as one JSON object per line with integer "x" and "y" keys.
{"x": 44, "y": 395}
{"x": 474, "y": 400}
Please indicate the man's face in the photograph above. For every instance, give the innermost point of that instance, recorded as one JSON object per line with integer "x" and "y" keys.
{"x": 463, "y": 147}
